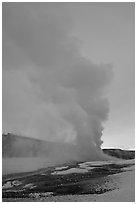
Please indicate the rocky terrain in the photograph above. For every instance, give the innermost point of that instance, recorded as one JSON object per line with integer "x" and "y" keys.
{"x": 85, "y": 181}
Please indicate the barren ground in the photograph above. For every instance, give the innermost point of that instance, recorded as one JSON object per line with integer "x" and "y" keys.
{"x": 87, "y": 181}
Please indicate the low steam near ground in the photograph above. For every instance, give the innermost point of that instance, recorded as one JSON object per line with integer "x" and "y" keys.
{"x": 22, "y": 154}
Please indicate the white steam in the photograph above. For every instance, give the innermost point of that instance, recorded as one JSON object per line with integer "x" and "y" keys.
{"x": 50, "y": 91}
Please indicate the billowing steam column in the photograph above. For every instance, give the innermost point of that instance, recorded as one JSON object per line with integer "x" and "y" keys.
{"x": 50, "y": 90}
{"x": 89, "y": 108}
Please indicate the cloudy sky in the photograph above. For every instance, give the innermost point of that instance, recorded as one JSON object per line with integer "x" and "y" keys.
{"x": 69, "y": 68}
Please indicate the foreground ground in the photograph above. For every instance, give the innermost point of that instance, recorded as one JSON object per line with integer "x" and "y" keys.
{"x": 112, "y": 181}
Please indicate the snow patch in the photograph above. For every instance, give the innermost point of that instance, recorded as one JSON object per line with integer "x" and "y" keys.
{"x": 7, "y": 185}
{"x": 16, "y": 183}
{"x": 70, "y": 171}
{"x": 60, "y": 168}
{"x": 95, "y": 163}
{"x": 29, "y": 185}
{"x": 10, "y": 184}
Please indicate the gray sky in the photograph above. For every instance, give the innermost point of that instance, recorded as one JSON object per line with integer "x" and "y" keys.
{"x": 45, "y": 46}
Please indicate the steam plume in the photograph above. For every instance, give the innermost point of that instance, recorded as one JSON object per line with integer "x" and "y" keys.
{"x": 50, "y": 91}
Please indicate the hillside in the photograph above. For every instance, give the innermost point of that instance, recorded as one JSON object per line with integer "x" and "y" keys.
{"x": 19, "y": 146}
{"x": 119, "y": 153}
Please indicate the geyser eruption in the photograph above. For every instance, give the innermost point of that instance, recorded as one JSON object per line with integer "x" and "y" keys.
{"x": 50, "y": 91}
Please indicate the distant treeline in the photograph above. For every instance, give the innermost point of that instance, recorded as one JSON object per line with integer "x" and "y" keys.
{"x": 119, "y": 153}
